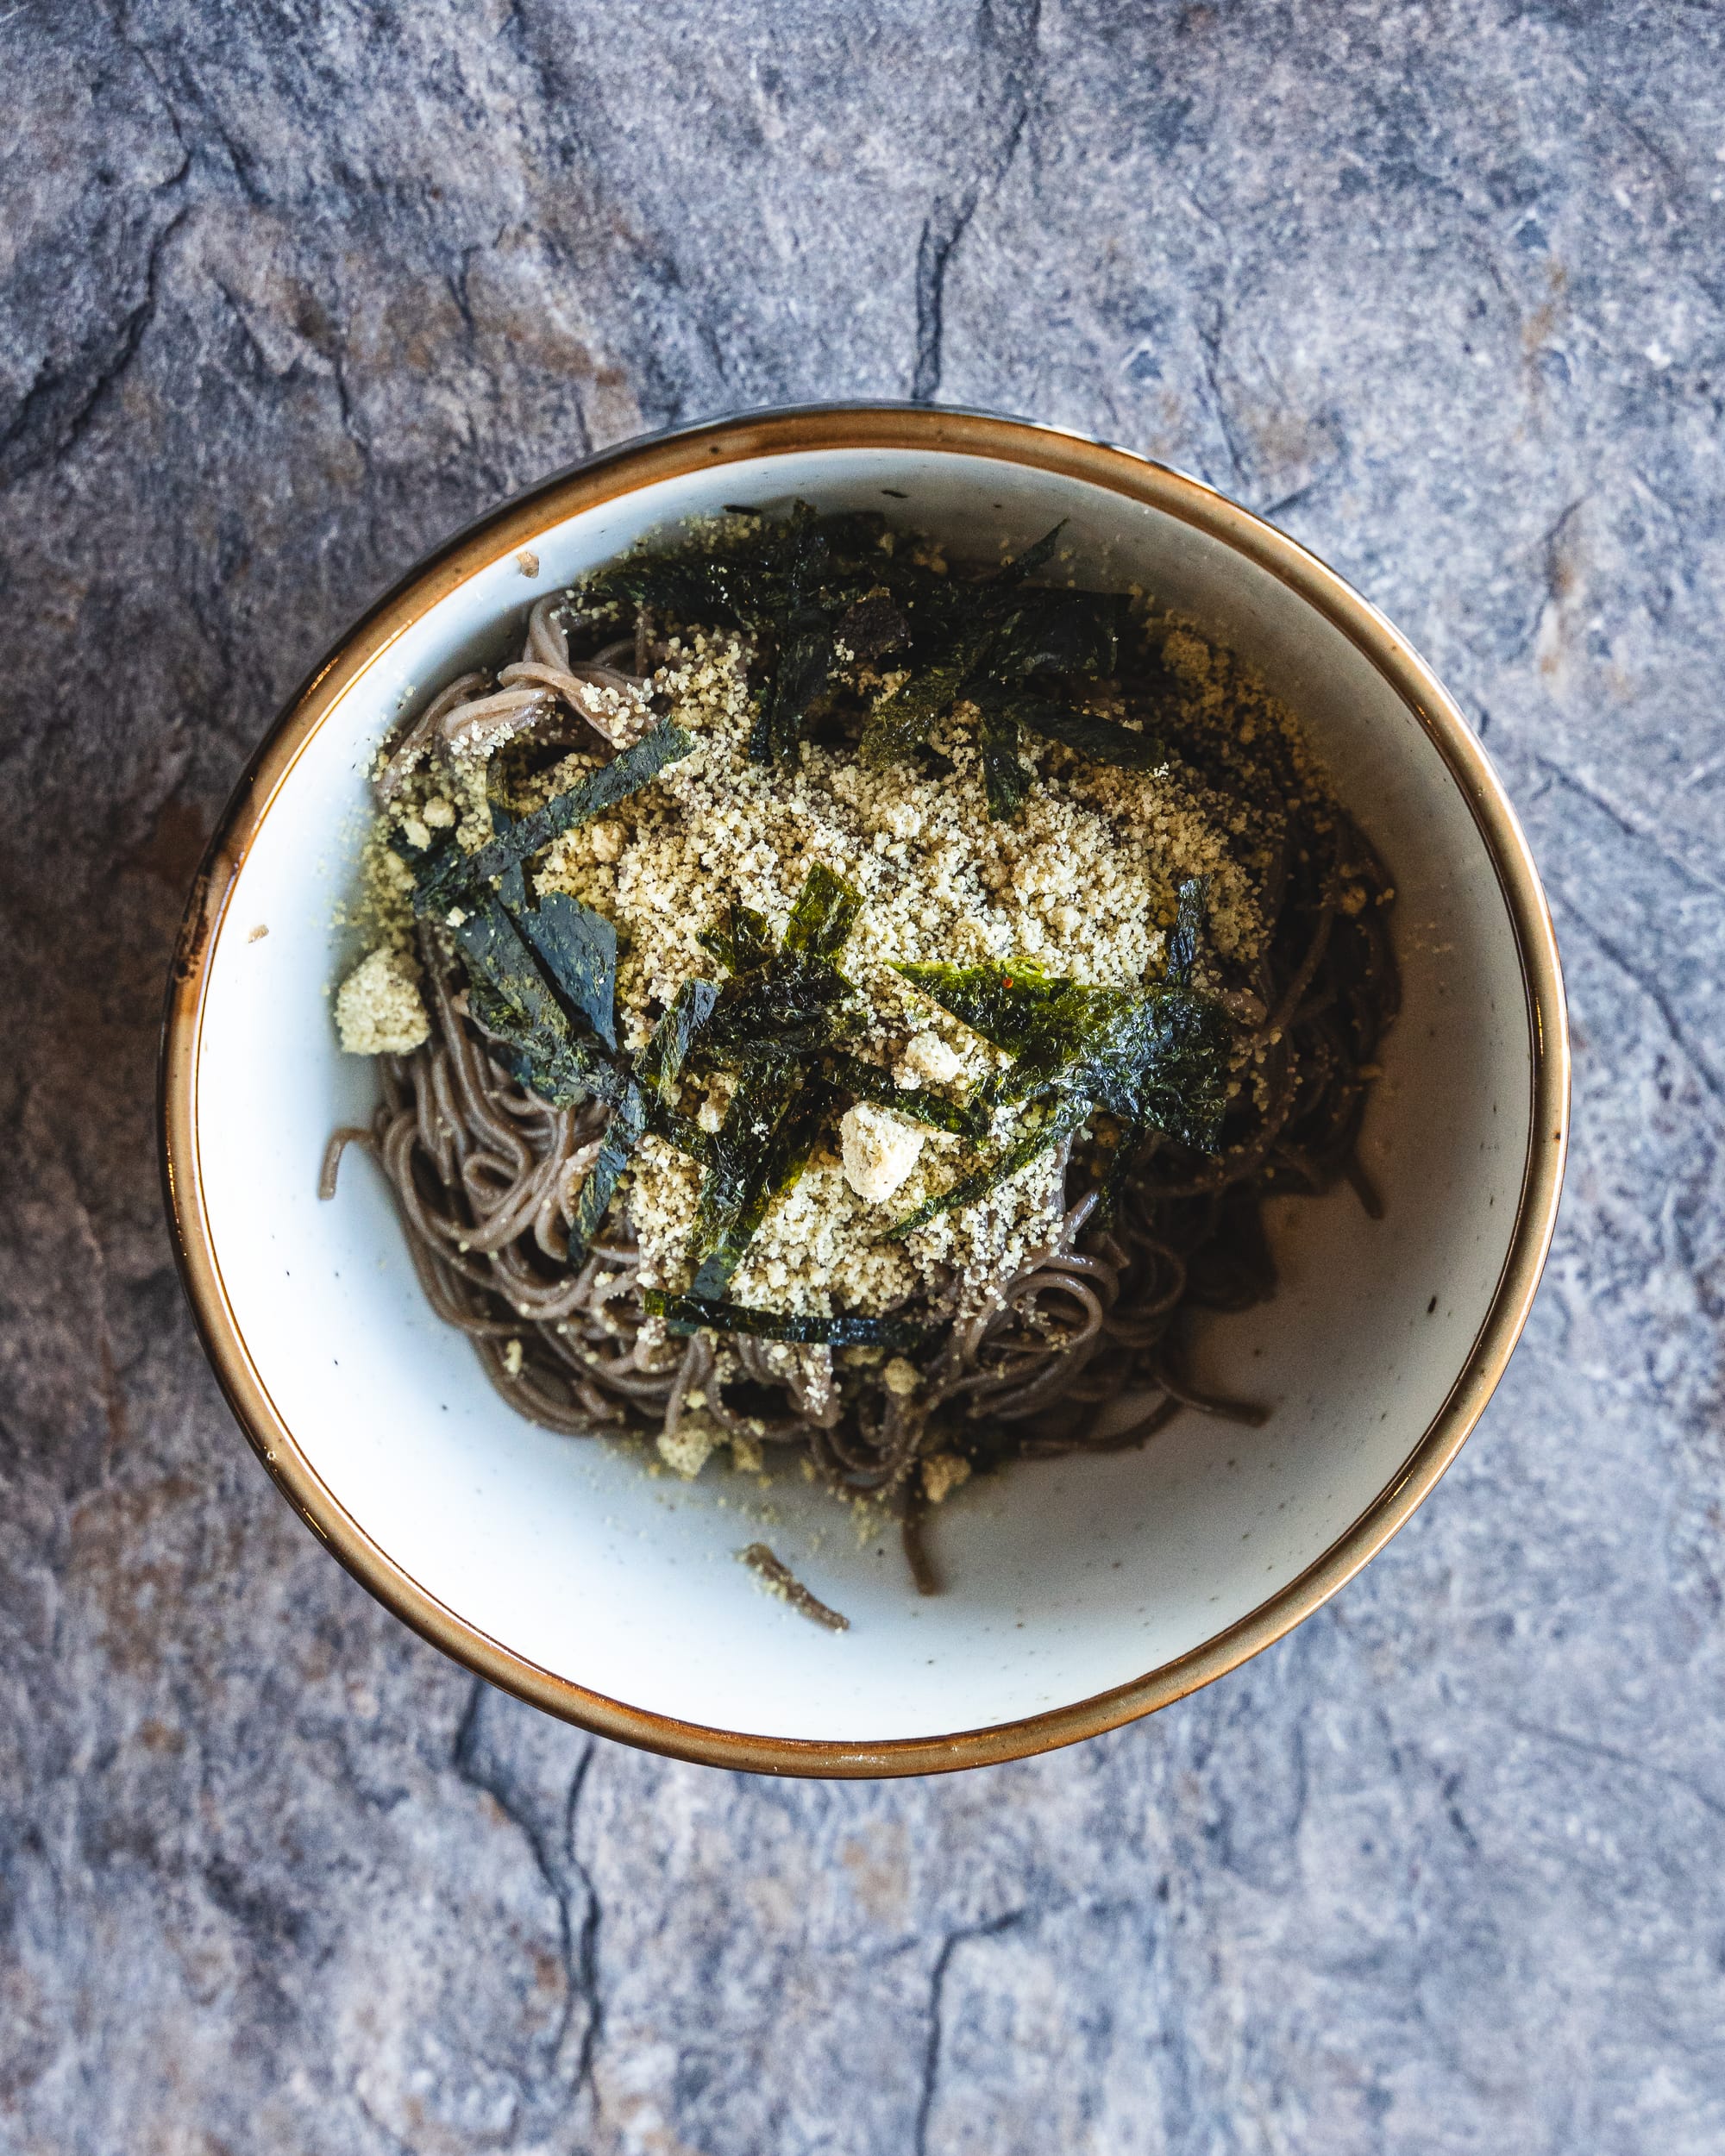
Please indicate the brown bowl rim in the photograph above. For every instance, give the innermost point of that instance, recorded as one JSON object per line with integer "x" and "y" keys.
{"x": 516, "y": 525}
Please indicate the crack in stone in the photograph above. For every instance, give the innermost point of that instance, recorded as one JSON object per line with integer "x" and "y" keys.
{"x": 1590, "y": 1747}
{"x": 1009, "y": 51}
{"x": 963, "y": 1935}
{"x": 62, "y": 429}
{"x": 1710, "y": 1081}
{"x": 1644, "y": 840}
{"x": 480, "y": 1767}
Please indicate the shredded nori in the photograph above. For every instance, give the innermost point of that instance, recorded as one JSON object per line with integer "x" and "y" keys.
{"x": 982, "y": 1180}
{"x": 821, "y": 594}
{"x": 542, "y": 977}
{"x": 782, "y": 1001}
{"x": 824, "y": 915}
{"x": 1155, "y": 1059}
{"x": 510, "y": 999}
{"x": 917, "y": 1104}
{"x": 626, "y": 773}
{"x": 793, "y": 583}
{"x": 577, "y": 949}
{"x": 777, "y": 1020}
{"x": 622, "y": 1135}
{"x": 756, "y": 1154}
{"x": 685, "y": 1314}
{"x": 1005, "y": 646}
{"x": 659, "y": 1065}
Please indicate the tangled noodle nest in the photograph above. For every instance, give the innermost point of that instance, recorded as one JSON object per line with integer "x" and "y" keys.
{"x": 486, "y": 1175}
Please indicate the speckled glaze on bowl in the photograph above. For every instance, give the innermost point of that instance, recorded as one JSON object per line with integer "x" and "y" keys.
{"x": 1081, "y": 1593}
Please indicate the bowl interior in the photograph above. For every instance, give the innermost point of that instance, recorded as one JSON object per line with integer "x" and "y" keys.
{"x": 1065, "y": 1579}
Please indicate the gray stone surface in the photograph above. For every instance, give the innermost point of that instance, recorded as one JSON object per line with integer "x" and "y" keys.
{"x": 286, "y": 291}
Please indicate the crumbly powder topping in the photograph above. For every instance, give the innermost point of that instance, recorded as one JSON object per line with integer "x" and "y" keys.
{"x": 378, "y": 1010}
{"x": 1082, "y": 881}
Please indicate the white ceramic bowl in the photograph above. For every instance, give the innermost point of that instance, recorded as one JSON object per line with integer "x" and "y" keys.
{"x": 1083, "y": 1592}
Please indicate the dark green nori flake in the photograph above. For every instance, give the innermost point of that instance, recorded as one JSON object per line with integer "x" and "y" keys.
{"x": 853, "y": 535}
{"x": 736, "y": 1155}
{"x": 1163, "y": 1062}
{"x": 626, "y": 773}
{"x": 1121, "y": 1165}
{"x": 870, "y": 1082}
{"x": 1060, "y": 632}
{"x": 622, "y": 1135}
{"x": 800, "y": 620}
{"x": 1003, "y": 646}
{"x": 791, "y": 1007}
{"x": 510, "y": 999}
{"x": 1003, "y": 770}
{"x": 803, "y": 670}
{"x": 437, "y": 869}
{"x": 1103, "y": 740}
{"x": 824, "y": 915}
{"x": 680, "y": 1131}
{"x": 512, "y": 885}
{"x": 1004, "y": 1002}
{"x": 786, "y": 1002}
{"x": 577, "y": 949}
{"x": 1157, "y": 1056}
{"x": 686, "y": 1314}
{"x": 741, "y": 1159}
{"x": 659, "y": 1065}
{"x": 745, "y": 942}
{"x": 1034, "y": 557}
{"x": 790, "y": 582}
{"x": 1065, "y": 1120}
{"x": 903, "y": 721}
{"x": 691, "y": 583}
{"x": 874, "y": 626}
{"x": 1189, "y": 928}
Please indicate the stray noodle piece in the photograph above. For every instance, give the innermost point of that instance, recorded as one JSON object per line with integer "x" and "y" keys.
{"x": 778, "y": 1579}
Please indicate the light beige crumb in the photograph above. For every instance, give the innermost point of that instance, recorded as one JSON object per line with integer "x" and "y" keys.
{"x": 927, "y": 1061}
{"x": 942, "y": 1473}
{"x": 512, "y": 1357}
{"x": 900, "y": 1377}
{"x": 689, "y": 1446}
{"x": 527, "y": 562}
{"x": 258, "y": 934}
{"x": 378, "y": 1010}
{"x": 881, "y": 1150}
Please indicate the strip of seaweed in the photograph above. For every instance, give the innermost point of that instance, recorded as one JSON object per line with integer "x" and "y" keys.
{"x": 686, "y": 1314}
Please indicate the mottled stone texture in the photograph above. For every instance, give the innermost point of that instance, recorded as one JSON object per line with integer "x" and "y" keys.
{"x": 289, "y": 290}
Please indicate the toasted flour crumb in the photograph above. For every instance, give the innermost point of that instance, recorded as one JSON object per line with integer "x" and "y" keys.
{"x": 900, "y": 1376}
{"x": 942, "y": 1473}
{"x": 880, "y": 1151}
{"x": 689, "y": 1446}
{"x": 378, "y": 1010}
{"x": 1082, "y": 880}
{"x": 927, "y": 1061}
